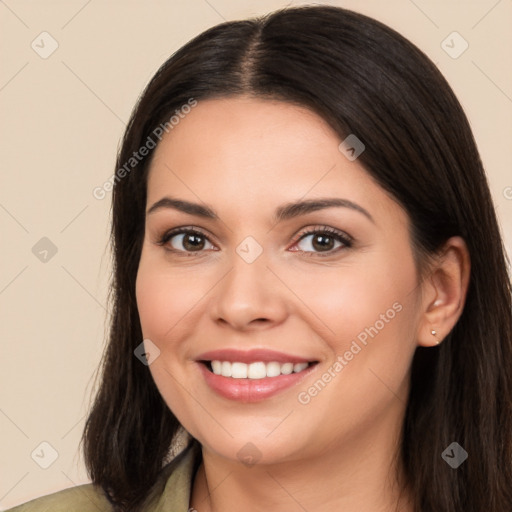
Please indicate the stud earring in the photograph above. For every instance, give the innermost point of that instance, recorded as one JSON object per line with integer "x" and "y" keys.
{"x": 434, "y": 333}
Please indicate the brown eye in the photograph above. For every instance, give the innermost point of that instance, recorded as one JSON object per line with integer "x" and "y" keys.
{"x": 192, "y": 242}
{"x": 323, "y": 241}
{"x": 186, "y": 241}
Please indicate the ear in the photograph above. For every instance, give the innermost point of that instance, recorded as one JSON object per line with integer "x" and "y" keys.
{"x": 444, "y": 292}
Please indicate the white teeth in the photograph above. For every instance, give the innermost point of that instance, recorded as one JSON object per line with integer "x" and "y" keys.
{"x": 258, "y": 370}
{"x": 273, "y": 369}
{"x": 287, "y": 368}
{"x": 238, "y": 370}
{"x": 225, "y": 369}
{"x": 299, "y": 367}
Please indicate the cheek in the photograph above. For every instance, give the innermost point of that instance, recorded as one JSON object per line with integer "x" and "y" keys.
{"x": 368, "y": 318}
{"x": 155, "y": 303}
{"x": 351, "y": 301}
{"x": 380, "y": 316}
{"x": 368, "y": 314}
{"x": 164, "y": 299}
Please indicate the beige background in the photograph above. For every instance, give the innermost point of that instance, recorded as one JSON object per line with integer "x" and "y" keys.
{"x": 61, "y": 121}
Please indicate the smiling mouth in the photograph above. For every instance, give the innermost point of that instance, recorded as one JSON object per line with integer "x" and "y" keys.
{"x": 256, "y": 370}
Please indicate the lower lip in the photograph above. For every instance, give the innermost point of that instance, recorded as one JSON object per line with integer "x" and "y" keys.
{"x": 251, "y": 390}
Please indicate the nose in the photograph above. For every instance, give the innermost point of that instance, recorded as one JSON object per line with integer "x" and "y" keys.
{"x": 249, "y": 297}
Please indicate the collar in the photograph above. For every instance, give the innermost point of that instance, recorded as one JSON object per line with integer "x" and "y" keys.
{"x": 173, "y": 488}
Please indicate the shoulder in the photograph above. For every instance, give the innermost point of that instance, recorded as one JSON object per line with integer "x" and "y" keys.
{"x": 170, "y": 492}
{"x": 82, "y": 498}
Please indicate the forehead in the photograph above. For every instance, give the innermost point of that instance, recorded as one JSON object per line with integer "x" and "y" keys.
{"x": 246, "y": 153}
{"x": 241, "y": 133}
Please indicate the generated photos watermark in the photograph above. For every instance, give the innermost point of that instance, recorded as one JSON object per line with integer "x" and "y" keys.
{"x": 454, "y": 455}
{"x": 139, "y": 155}
{"x": 361, "y": 341}
{"x": 146, "y": 352}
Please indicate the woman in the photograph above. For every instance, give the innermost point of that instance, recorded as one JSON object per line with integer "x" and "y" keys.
{"x": 309, "y": 281}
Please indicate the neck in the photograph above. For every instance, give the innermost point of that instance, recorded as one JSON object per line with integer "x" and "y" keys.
{"x": 358, "y": 474}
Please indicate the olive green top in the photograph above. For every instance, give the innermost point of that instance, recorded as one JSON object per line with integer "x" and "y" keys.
{"x": 171, "y": 492}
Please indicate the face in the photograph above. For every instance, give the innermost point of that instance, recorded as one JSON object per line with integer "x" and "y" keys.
{"x": 283, "y": 331}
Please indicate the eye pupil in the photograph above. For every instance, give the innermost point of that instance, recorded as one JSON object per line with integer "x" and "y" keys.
{"x": 322, "y": 242}
{"x": 191, "y": 241}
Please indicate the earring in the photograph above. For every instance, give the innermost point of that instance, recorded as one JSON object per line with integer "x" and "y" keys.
{"x": 434, "y": 333}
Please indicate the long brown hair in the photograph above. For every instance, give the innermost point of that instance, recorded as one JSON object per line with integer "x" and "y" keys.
{"x": 364, "y": 78}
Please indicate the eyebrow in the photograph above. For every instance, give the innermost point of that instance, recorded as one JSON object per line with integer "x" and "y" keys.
{"x": 284, "y": 212}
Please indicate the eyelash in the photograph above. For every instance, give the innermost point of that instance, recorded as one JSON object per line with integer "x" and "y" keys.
{"x": 339, "y": 236}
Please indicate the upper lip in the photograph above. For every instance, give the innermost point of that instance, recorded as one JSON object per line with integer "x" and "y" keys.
{"x": 251, "y": 356}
